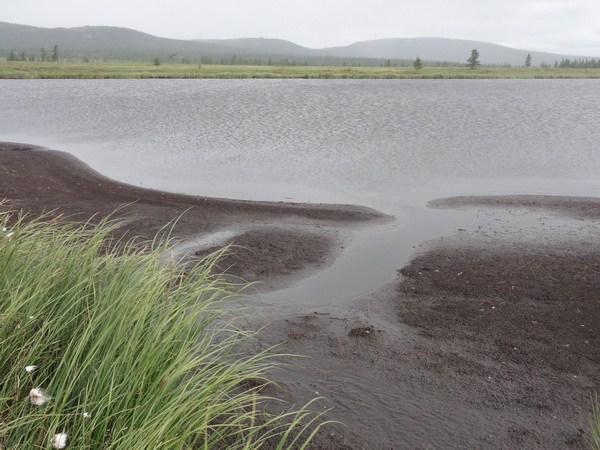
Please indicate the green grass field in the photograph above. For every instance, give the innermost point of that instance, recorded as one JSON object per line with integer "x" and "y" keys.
{"x": 122, "y": 349}
{"x": 36, "y": 69}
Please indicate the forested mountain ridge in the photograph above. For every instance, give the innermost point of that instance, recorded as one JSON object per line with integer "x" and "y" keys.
{"x": 114, "y": 43}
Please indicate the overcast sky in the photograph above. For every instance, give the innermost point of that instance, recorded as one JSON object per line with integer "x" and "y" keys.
{"x": 561, "y": 26}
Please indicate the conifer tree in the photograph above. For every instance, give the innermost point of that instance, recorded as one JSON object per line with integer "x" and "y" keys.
{"x": 418, "y": 63}
{"x": 54, "y": 55}
{"x": 474, "y": 59}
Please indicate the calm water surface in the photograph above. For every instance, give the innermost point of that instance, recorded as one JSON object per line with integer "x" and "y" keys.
{"x": 389, "y": 144}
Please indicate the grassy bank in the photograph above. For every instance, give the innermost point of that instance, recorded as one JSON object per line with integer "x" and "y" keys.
{"x": 36, "y": 69}
{"x": 117, "y": 350}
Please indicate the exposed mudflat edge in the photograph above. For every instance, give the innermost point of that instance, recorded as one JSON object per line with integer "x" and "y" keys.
{"x": 576, "y": 207}
{"x": 36, "y": 180}
{"x": 488, "y": 338}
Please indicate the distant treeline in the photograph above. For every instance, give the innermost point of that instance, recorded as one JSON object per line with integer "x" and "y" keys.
{"x": 232, "y": 59}
{"x": 295, "y": 60}
{"x": 54, "y": 53}
{"x": 43, "y": 55}
{"x": 566, "y": 63}
{"x": 580, "y": 63}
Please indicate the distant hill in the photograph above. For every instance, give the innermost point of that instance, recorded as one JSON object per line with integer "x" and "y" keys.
{"x": 440, "y": 49}
{"x": 97, "y": 42}
{"x": 262, "y": 46}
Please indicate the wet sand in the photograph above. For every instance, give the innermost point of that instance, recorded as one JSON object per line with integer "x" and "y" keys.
{"x": 307, "y": 236}
{"x": 489, "y": 338}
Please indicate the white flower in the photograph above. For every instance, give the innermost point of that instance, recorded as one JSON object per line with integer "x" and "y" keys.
{"x": 87, "y": 415}
{"x": 59, "y": 440}
{"x": 30, "y": 369}
{"x": 4, "y": 229}
{"x": 38, "y": 397}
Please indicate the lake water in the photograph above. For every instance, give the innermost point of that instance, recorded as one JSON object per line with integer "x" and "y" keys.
{"x": 358, "y": 141}
{"x": 389, "y": 144}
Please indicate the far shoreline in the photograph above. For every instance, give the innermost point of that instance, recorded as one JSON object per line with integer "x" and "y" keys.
{"x": 146, "y": 70}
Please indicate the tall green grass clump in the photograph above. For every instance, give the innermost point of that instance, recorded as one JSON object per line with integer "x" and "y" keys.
{"x": 117, "y": 348}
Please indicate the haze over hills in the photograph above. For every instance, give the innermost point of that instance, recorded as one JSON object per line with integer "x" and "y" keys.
{"x": 262, "y": 45}
{"x": 440, "y": 49}
{"x": 100, "y": 42}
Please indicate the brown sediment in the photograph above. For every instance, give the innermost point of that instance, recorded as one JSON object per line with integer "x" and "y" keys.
{"x": 269, "y": 255}
{"x": 39, "y": 181}
{"x": 577, "y": 207}
{"x": 526, "y": 312}
{"x": 489, "y": 338}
